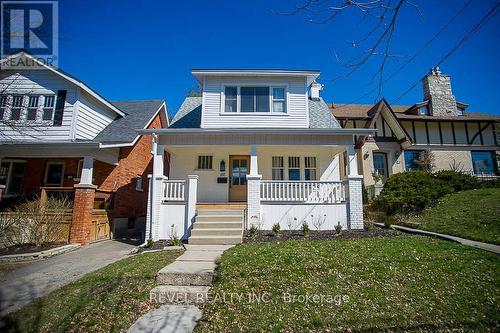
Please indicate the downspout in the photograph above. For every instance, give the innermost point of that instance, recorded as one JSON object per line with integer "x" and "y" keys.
{"x": 154, "y": 140}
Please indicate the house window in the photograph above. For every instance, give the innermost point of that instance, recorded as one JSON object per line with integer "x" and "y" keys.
{"x": 278, "y": 102}
{"x": 411, "y": 158}
{"x": 310, "y": 168}
{"x": 231, "y": 104}
{"x": 278, "y": 168}
{"x": 11, "y": 175}
{"x": 48, "y": 107}
{"x": 460, "y": 112}
{"x": 3, "y": 106}
{"x": 205, "y": 162}
{"x": 138, "y": 183}
{"x": 380, "y": 164}
{"x": 17, "y": 104}
{"x": 32, "y": 107}
{"x": 483, "y": 163}
{"x": 423, "y": 110}
{"x": 254, "y": 99}
{"x": 293, "y": 168}
{"x": 54, "y": 173}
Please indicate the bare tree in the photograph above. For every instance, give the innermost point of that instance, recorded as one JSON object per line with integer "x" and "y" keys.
{"x": 376, "y": 41}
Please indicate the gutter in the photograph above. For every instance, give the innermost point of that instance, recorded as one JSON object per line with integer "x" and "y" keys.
{"x": 291, "y": 131}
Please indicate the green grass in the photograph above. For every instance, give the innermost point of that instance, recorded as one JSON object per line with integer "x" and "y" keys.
{"x": 471, "y": 214}
{"x": 107, "y": 300}
{"x": 407, "y": 283}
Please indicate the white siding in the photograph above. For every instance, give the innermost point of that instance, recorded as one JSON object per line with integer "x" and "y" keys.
{"x": 297, "y": 107}
{"x": 91, "y": 118}
{"x": 40, "y": 82}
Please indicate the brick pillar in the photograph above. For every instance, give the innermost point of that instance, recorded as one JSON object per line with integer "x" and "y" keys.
{"x": 355, "y": 208}
{"x": 83, "y": 205}
{"x": 253, "y": 200}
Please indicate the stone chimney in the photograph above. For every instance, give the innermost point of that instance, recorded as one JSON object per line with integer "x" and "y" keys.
{"x": 437, "y": 90}
{"x": 315, "y": 89}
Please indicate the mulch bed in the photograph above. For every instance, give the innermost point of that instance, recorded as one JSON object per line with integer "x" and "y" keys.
{"x": 28, "y": 248}
{"x": 268, "y": 236}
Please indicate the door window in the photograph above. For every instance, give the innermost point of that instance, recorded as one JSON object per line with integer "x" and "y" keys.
{"x": 239, "y": 172}
{"x": 11, "y": 175}
{"x": 380, "y": 164}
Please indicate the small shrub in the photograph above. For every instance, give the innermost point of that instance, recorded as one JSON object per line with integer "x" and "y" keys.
{"x": 276, "y": 229}
{"x": 410, "y": 192}
{"x": 305, "y": 228}
{"x": 458, "y": 180}
{"x": 175, "y": 241}
{"x": 338, "y": 229}
{"x": 150, "y": 243}
{"x": 368, "y": 225}
{"x": 252, "y": 231}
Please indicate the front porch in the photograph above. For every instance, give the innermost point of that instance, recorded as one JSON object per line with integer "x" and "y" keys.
{"x": 315, "y": 183}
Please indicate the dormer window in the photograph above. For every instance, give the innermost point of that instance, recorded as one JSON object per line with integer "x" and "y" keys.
{"x": 48, "y": 107}
{"x": 460, "y": 112}
{"x": 32, "y": 107}
{"x": 423, "y": 110}
{"x": 3, "y": 106}
{"x": 17, "y": 104}
{"x": 258, "y": 99}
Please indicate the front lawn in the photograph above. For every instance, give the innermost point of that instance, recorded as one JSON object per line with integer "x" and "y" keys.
{"x": 107, "y": 300}
{"x": 471, "y": 214}
{"x": 406, "y": 283}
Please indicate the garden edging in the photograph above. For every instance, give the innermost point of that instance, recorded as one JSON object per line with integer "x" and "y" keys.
{"x": 23, "y": 257}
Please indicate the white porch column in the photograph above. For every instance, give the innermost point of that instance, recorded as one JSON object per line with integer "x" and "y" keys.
{"x": 191, "y": 204}
{"x": 153, "y": 218}
{"x": 354, "y": 191}
{"x": 253, "y": 190}
{"x": 87, "y": 170}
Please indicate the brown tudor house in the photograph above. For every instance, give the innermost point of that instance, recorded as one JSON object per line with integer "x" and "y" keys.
{"x": 458, "y": 139}
{"x": 58, "y": 137}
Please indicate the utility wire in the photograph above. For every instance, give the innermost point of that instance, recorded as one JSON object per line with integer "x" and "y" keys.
{"x": 390, "y": 77}
{"x": 475, "y": 29}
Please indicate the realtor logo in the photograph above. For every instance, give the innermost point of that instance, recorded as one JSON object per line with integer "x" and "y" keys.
{"x": 30, "y": 26}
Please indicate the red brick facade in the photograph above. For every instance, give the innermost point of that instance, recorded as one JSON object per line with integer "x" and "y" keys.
{"x": 82, "y": 215}
{"x": 120, "y": 179}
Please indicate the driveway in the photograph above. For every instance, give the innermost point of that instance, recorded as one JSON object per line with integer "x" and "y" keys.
{"x": 23, "y": 285}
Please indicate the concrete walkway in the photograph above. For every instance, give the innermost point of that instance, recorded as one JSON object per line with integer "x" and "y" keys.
{"x": 183, "y": 283}
{"x": 484, "y": 246}
{"x": 37, "y": 279}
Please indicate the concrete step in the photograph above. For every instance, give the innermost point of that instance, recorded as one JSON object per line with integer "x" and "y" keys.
{"x": 219, "y": 218}
{"x": 217, "y": 232}
{"x": 215, "y": 240}
{"x": 179, "y": 294}
{"x": 217, "y": 225}
{"x": 184, "y": 273}
{"x": 220, "y": 212}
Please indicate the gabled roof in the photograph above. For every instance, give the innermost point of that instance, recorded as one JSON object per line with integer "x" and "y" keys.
{"x": 68, "y": 77}
{"x": 189, "y": 114}
{"x": 138, "y": 114}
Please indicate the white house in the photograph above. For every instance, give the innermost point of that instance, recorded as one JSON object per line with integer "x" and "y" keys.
{"x": 258, "y": 147}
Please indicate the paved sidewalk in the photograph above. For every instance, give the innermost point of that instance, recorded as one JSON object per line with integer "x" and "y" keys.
{"x": 484, "y": 246}
{"x": 37, "y": 279}
{"x": 186, "y": 280}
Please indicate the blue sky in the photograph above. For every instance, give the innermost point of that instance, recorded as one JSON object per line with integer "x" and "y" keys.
{"x": 144, "y": 49}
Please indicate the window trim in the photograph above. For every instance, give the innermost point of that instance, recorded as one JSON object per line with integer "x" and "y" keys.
{"x": 47, "y": 173}
{"x": 198, "y": 159}
{"x": 238, "y": 100}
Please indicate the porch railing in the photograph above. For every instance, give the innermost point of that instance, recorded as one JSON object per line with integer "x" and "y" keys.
{"x": 302, "y": 191}
{"x": 174, "y": 190}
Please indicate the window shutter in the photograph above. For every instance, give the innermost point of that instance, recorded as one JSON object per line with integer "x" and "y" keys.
{"x": 58, "y": 114}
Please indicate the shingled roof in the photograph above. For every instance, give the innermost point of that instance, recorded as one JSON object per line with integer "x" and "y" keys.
{"x": 137, "y": 115}
{"x": 189, "y": 114}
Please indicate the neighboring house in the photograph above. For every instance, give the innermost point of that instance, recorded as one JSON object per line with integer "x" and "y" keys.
{"x": 58, "y": 137}
{"x": 458, "y": 139}
{"x": 258, "y": 147}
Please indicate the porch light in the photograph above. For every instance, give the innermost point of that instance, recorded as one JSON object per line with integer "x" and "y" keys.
{"x": 222, "y": 166}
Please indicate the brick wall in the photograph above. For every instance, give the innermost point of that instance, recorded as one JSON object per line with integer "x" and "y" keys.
{"x": 134, "y": 161}
{"x": 35, "y": 172}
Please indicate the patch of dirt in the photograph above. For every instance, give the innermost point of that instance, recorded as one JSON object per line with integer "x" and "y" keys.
{"x": 158, "y": 245}
{"x": 28, "y": 248}
{"x": 268, "y": 236}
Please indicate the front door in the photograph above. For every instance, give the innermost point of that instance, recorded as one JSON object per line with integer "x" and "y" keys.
{"x": 380, "y": 165}
{"x": 239, "y": 168}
